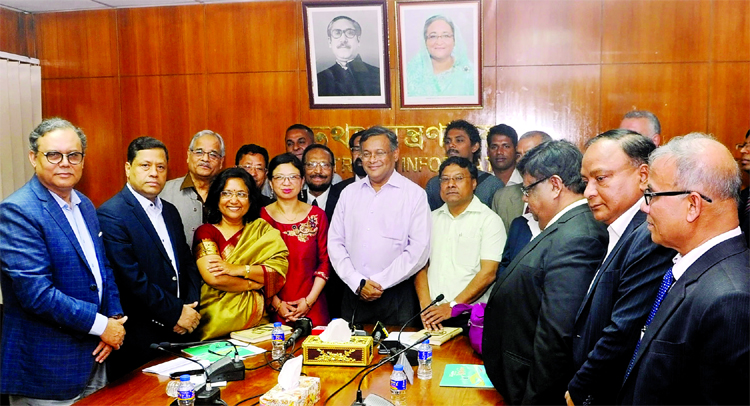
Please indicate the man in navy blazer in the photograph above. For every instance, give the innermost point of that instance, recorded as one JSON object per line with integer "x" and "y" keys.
{"x": 696, "y": 346}
{"x": 62, "y": 314}
{"x": 529, "y": 316}
{"x": 154, "y": 269}
{"x": 619, "y": 298}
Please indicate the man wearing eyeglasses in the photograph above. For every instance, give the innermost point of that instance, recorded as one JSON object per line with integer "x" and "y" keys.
{"x": 695, "y": 344}
{"x": 619, "y": 298}
{"x": 531, "y": 309}
{"x": 464, "y": 253}
{"x": 205, "y": 158}
{"x": 350, "y": 75}
{"x": 744, "y": 207}
{"x": 254, "y": 160}
{"x": 152, "y": 262}
{"x": 62, "y": 317}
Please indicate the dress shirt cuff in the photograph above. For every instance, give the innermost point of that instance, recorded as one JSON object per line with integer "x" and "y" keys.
{"x": 100, "y": 324}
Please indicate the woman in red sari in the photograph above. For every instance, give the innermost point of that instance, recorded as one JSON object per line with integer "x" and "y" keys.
{"x": 242, "y": 259}
{"x": 304, "y": 229}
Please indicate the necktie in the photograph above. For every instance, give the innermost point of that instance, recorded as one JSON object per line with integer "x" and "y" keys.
{"x": 315, "y": 202}
{"x": 747, "y": 206}
{"x": 666, "y": 283}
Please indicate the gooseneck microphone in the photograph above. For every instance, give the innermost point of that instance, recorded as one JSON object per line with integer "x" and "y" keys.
{"x": 359, "y": 401}
{"x": 302, "y": 327}
{"x": 205, "y": 395}
{"x": 225, "y": 369}
{"x": 362, "y": 283}
{"x": 179, "y": 346}
{"x": 437, "y": 299}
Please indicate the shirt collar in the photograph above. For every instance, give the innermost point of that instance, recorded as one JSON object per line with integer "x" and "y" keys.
{"x": 474, "y": 206}
{"x": 144, "y": 202}
{"x": 565, "y": 210}
{"x": 618, "y": 226}
{"x": 74, "y": 200}
{"x": 682, "y": 263}
{"x": 396, "y": 180}
{"x": 187, "y": 182}
{"x": 515, "y": 178}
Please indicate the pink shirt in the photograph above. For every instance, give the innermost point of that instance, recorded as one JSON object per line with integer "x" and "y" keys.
{"x": 383, "y": 236}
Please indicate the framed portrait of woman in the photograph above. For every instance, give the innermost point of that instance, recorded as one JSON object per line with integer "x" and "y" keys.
{"x": 347, "y": 54}
{"x": 439, "y": 50}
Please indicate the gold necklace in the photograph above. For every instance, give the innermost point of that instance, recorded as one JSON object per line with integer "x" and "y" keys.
{"x": 290, "y": 220}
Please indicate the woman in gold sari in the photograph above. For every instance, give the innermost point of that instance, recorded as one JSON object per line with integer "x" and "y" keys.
{"x": 242, "y": 259}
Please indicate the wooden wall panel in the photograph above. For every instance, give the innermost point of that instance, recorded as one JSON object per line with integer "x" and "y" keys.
{"x": 253, "y": 37}
{"x": 729, "y": 102}
{"x": 252, "y": 108}
{"x": 656, "y": 31}
{"x": 489, "y": 33}
{"x": 14, "y": 32}
{"x": 676, "y": 93}
{"x": 77, "y": 44}
{"x": 562, "y": 101}
{"x": 170, "y": 108}
{"x": 544, "y": 32}
{"x": 731, "y": 36}
{"x": 93, "y": 105}
{"x": 161, "y": 40}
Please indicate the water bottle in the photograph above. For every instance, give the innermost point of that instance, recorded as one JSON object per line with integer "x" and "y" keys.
{"x": 424, "y": 371}
{"x": 277, "y": 339}
{"x": 185, "y": 391}
{"x": 398, "y": 386}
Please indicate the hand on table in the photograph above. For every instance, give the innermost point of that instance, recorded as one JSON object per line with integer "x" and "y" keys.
{"x": 435, "y": 315}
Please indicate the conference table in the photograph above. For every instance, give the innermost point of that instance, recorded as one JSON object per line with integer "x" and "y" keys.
{"x": 139, "y": 388}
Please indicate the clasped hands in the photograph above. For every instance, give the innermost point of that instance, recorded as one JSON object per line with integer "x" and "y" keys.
{"x": 371, "y": 291}
{"x": 111, "y": 338}
{"x": 293, "y": 310}
{"x": 188, "y": 320}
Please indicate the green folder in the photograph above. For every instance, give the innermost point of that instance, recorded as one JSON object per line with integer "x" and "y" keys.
{"x": 465, "y": 376}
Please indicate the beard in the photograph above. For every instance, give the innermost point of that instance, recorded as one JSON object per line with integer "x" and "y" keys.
{"x": 319, "y": 188}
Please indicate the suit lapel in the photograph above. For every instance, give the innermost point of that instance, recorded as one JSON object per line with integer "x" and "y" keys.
{"x": 142, "y": 217}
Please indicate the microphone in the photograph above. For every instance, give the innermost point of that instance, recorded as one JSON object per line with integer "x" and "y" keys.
{"x": 224, "y": 369}
{"x": 302, "y": 327}
{"x": 353, "y": 326}
{"x": 359, "y": 401}
{"x": 204, "y": 395}
{"x": 412, "y": 355}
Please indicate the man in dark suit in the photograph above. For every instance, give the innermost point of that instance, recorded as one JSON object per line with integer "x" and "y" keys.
{"x": 744, "y": 206}
{"x": 529, "y": 316}
{"x": 62, "y": 314}
{"x": 153, "y": 266}
{"x": 350, "y": 75}
{"x": 696, "y": 344}
{"x": 617, "y": 302}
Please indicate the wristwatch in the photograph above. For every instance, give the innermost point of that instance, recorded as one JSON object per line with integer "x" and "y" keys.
{"x": 452, "y": 303}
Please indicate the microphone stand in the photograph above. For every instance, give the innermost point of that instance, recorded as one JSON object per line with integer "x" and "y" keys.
{"x": 359, "y": 401}
{"x": 412, "y": 355}
{"x": 205, "y": 395}
{"x": 353, "y": 326}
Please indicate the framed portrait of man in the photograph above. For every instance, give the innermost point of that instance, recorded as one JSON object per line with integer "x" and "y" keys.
{"x": 440, "y": 53}
{"x": 347, "y": 54}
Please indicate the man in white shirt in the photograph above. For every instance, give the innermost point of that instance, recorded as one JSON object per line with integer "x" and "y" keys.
{"x": 465, "y": 247}
{"x": 695, "y": 348}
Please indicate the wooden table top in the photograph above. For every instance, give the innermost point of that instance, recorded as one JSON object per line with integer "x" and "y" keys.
{"x": 138, "y": 388}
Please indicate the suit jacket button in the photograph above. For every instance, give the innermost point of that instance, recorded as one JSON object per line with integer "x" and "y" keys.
{"x": 174, "y": 278}
{"x": 93, "y": 288}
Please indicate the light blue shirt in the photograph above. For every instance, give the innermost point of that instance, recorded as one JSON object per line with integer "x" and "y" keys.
{"x": 81, "y": 230}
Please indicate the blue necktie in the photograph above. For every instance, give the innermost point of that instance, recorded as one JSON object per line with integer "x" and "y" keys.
{"x": 666, "y": 283}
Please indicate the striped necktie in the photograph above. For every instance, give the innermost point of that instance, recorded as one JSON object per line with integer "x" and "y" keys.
{"x": 666, "y": 283}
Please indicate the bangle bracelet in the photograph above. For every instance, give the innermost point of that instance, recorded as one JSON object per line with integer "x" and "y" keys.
{"x": 308, "y": 303}
{"x": 247, "y": 271}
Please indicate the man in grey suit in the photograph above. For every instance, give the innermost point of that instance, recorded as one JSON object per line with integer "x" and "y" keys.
{"x": 617, "y": 302}
{"x": 530, "y": 313}
{"x": 695, "y": 348}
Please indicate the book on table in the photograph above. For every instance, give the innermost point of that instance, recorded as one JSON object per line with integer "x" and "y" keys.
{"x": 258, "y": 333}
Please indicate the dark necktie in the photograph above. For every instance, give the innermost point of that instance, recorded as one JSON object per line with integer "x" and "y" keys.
{"x": 315, "y": 202}
{"x": 666, "y": 283}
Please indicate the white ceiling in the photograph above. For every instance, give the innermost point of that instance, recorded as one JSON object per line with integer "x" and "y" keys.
{"x": 41, "y": 6}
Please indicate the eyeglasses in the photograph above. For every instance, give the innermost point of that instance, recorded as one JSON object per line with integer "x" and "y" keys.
{"x": 379, "y": 154}
{"x": 354, "y": 149}
{"x": 742, "y": 146}
{"x": 54, "y": 157}
{"x": 435, "y": 37}
{"x": 649, "y": 195}
{"x": 527, "y": 189}
{"x": 213, "y": 155}
{"x": 252, "y": 168}
{"x": 291, "y": 178}
{"x": 228, "y": 194}
{"x": 323, "y": 165}
{"x": 456, "y": 179}
{"x": 349, "y": 32}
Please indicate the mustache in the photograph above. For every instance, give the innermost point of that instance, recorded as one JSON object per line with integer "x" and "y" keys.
{"x": 344, "y": 45}
{"x": 452, "y": 151}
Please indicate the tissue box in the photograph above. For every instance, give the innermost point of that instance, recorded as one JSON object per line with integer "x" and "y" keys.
{"x": 306, "y": 394}
{"x": 356, "y": 352}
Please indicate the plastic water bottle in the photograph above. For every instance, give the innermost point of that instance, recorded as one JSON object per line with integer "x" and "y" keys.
{"x": 398, "y": 386}
{"x": 277, "y": 339}
{"x": 185, "y": 391}
{"x": 424, "y": 371}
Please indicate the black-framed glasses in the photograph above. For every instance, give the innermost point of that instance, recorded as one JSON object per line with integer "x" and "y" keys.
{"x": 349, "y": 33}
{"x": 55, "y": 157}
{"x": 527, "y": 189}
{"x": 212, "y": 155}
{"x": 649, "y": 194}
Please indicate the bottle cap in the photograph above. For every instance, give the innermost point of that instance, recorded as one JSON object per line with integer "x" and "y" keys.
{"x": 427, "y": 341}
{"x": 277, "y": 324}
{"x": 398, "y": 367}
{"x": 184, "y": 378}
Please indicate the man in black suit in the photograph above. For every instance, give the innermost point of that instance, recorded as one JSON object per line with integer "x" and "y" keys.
{"x": 529, "y": 316}
{"x": 744, "y": 207}
{"x": 617, "y": 302}
{"x": 696, "y": 344}
{"x": 155, "y": 272}
{"x": 350, "y": 75}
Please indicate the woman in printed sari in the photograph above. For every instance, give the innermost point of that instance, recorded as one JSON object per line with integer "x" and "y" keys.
{"x": 242, "y": 259}
{"x": 304, "y": 228}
